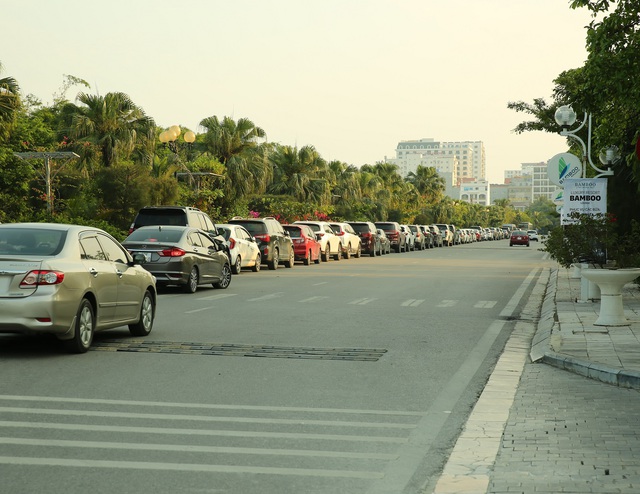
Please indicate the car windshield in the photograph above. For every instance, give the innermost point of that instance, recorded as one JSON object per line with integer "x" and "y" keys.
{"x": 31, "y": 241}
{"x": 155, "y": 235}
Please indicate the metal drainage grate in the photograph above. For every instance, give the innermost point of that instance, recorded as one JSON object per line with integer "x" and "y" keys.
{"x": 233, "y": 350}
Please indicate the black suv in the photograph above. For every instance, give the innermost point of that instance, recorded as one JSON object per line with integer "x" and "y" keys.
{"x": 275, "y": 243}
{"x": 368, "y": 237}
{"x": 173, "y": 215}
{"x": 179, "y": 216}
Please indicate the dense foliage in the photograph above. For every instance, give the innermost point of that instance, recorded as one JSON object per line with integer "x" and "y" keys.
{"x": 230, "y": 169}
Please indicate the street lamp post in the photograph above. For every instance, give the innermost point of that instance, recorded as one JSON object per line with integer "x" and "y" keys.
{"x": 565, "y": 117}
{"x": 169, "y": 138}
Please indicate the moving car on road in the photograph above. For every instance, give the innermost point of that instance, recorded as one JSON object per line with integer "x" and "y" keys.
{"x": 519, "y": 237}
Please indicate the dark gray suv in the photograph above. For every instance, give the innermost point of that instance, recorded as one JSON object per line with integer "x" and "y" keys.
{"x": 275, "y": 243}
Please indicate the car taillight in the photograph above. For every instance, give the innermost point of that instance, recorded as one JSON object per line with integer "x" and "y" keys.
{"x": 392, "y": 234}
{"x": 173, "y": 252}
{"x": 40, "y": 278}
{"x": 365, "y": 235}
{"x": 232, "y": 243}
{"x": 340, "y": 234}
{"x": 265, "y": 237}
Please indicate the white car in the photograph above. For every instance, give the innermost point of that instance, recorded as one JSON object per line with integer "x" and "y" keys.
{"x": 410, "y": 236}
{"x": 243, "y": 248}
{"x": 351, "y": 243}
{"x": 533, "y": 235}
{"x": 330, "y": 243}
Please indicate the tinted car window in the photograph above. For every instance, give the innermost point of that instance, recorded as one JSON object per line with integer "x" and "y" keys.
{"x": 154, "y": 217}
{"x": 294, "y": 231}
{"x": 252, "y": 227}
{"x": 155, "y": 235}
{"x": 362, "y": 228}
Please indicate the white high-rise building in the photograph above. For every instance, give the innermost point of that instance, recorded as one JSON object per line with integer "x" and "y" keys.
{"x": 465, "y": 160}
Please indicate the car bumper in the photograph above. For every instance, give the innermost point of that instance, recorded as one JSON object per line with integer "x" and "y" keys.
{"x": 37, "y": 315}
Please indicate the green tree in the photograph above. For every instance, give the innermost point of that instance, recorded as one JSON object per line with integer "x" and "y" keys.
{"x": 106, "y": 128}
{"x": 299, "y": 174}
{"x": 9, "y": 103}
{"x": 428, "y": 183}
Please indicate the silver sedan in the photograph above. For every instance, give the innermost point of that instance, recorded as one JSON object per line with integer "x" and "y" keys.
{"x": 71, "y": 281}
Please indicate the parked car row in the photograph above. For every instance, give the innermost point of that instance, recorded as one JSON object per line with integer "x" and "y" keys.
{"x": 72, "y": 280}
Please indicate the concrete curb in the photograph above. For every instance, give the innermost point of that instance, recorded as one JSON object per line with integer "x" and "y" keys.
{"x": 541, "y": 347}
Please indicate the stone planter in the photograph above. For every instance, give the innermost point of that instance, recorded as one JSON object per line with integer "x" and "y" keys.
{"x": 610, "y": 282}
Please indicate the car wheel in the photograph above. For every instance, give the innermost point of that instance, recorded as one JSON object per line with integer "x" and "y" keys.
{"x": 145, "y": 323}
{"x": 510, "y": 245}
{"x": 256, "y": 266}
{"x": 307, "y": 260}
{"x": 358, "y": 252}
{"x": 373, "y": 251}
{"x": 337, "y": 255}
{"x": 83, "y": 329}
{"x": 325, "y": 254}
{"x": 292, "y": 259}
{"x": 225, "y": 278}
{"x": 275, "y": 260}
{"x": 192, "y": 282}
{"x": 347, "y": 252}
{"x": 237, "y": 266}
{"x": 317, "y": 260}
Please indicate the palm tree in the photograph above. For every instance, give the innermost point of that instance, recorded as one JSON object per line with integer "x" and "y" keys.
{"x": 237, "y": 146}
{"x": 9, "y": 102}
{"x": 300, "y": 174}
{"x": 112, "y": 124}
{"x": 428, "y": 183}
{"x": 345, "y": 188}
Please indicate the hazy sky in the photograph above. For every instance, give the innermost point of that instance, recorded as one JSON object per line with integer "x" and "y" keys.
{"x": 350, "y": 77}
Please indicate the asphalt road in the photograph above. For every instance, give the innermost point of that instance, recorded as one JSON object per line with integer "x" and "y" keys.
{"x": 352, "y": 376}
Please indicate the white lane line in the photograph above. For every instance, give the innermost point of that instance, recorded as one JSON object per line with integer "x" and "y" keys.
{"x": 206, "y": 406}
{"x": 362, "y": 301}
{"x": 510, "y": 308}
{"x": 447, "y": 303}
{"x": 321, "y": 283}
{"x": 485, "y": 304}
{"x": 202, "y": 432}
{"x": 218, "y": 296}
{"x": 266, "y": 297}
{"x": 202, "y": 418}
{"x": 312, "y": 299}
{"x": 188, "y": 467}
{"x": 64, "y": 443}
{"x": 412, "y": 302}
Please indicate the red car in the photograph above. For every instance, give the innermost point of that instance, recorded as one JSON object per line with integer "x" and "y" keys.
{"x": 306, "y": 247}
{"x": 519, "y": 237}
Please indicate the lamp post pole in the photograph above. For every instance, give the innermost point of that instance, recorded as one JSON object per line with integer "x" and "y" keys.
{"x": 565, "y": 116}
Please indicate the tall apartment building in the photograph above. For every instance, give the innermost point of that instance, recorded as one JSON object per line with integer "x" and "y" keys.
{"x": 528, "y": 184}
{"x": 464, "y": 160}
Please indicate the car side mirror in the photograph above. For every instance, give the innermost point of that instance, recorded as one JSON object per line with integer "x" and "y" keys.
{"x": 138, "y": 258}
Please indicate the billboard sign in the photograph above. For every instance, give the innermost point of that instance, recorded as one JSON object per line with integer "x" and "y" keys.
{"x": 584, "y": 196}
{"x": 563, "y": 166}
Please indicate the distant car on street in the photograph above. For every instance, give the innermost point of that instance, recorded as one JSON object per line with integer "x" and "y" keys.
{"x": 519, "y": 237}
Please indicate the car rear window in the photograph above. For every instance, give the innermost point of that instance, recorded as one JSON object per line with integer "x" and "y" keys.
{"x": 32, "y": 241}
{"x": 361, "y": 227}
{"x": 154, "y": 217}
{"x": 387, "y": 226}
{"x": 155, "y": 235}
{"x": 253, "y": 227}
{"x": 293, "y": 231}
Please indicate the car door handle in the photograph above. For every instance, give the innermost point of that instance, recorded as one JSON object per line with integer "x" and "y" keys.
{"x": 93, "y": 272}
{"x": 119, "y": 273}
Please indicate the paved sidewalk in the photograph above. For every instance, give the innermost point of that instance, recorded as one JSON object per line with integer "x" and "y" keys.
{"x": 570, "y": 426}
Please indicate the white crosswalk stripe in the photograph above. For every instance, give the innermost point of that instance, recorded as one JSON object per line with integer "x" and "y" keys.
{"x": 362, "y": 301}
{"x": 411, "y": 303}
